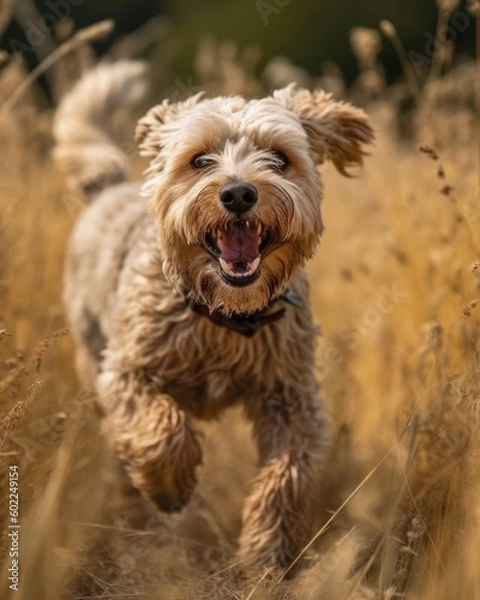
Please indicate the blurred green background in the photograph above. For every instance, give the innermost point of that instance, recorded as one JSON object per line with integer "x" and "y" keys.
{"x": 309, "y": 32}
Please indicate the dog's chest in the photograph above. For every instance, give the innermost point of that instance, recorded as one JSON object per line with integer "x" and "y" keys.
{"x": 217, "y": 367}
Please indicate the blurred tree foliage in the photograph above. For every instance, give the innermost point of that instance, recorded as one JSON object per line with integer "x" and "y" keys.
{"x": 309, "y": 32}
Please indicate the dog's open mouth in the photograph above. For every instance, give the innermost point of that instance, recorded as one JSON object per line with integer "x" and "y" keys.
{"x": 237, "y": 247}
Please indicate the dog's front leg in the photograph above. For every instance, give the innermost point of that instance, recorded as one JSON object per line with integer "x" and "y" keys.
{"x": 293, "y": 439}
{"x": 152, "y": 435}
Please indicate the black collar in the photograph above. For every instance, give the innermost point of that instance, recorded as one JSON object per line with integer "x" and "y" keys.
{"x": 248, "y": 325}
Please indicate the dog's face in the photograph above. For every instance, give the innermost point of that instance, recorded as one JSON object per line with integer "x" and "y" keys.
{"x": 236, "y": 191}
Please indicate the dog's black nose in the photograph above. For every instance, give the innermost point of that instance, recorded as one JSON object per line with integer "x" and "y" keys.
{"x": 238, "y": 197}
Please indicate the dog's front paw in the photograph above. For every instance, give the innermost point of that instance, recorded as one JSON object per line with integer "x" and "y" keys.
{"x": 168, "y": 484}
{"x": 274, "y": 527}
{"x": 168, "y": 475}
{"x": 173, "y": 498}
{"x": 160, "y": 450}
{"x": 275, "y": 548}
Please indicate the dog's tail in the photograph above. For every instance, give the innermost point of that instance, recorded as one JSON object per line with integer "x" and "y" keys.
{"x": 85, "y": 150}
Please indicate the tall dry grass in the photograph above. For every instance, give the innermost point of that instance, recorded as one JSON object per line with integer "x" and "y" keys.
{"x": 394, "y": 286}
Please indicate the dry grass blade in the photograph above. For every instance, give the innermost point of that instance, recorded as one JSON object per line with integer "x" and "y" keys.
{"x": 440, "y": 46}
{"x": 351, "y": 496}
{"x": 84, "y": 36}
{"x": 4, "y": 58}
{"x": 18, "y": 412}
{"x": 134, "y": 44}
{"x": 6, "y": 9}
{"x": 448, "y": 190}
{"x": 258, "y": 583}
{"x": 36, "y": 360}
{"x": 12, "y": 375}
{"x": 41, "y": 527}
{"x": 25, "y": 13}
{"x": 389, "y": 30}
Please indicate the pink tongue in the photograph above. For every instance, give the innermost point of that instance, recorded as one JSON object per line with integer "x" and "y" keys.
{"x": 240, "y": 243}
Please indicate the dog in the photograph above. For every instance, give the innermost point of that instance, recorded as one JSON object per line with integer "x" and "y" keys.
{"x": 187, "y": 294}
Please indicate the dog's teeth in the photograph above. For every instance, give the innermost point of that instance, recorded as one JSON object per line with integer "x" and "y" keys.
{"x": 254, "y": 265}
{"x": 226, "y": 268}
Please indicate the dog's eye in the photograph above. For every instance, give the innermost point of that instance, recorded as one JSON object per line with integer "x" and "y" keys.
{"x": 201, "y": 161}
{"x": 280, "y": 160}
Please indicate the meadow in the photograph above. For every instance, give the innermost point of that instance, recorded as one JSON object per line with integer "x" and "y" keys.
{"x": 394, "y": 287}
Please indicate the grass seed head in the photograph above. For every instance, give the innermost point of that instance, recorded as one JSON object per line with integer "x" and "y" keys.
{"x": 448, "y": 6}
{"x": 388, "y": 28}
{"x": 473, "y": 7}
{"x": 366, "y": 44}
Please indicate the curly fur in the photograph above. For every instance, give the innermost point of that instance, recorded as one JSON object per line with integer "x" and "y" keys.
{"x": 158, "y": 365}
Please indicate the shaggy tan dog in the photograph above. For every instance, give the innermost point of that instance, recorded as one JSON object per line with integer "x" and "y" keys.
{"x": 201, "y": 302}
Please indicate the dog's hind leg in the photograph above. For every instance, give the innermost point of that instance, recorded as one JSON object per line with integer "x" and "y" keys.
{"x": 293, "y": 439}
{"x": 153, "y": 436}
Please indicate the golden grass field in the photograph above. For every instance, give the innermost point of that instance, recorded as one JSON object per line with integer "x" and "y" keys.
{"x": 394, "y": 286}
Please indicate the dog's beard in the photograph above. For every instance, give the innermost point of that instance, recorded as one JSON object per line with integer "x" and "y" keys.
{"x": 237, "y": 266}
{"x": 201, "y": 276}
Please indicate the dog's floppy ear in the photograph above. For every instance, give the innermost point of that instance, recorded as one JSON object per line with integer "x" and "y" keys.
{"x": 336, "y": 131}
{"x": 148, "y": 134}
